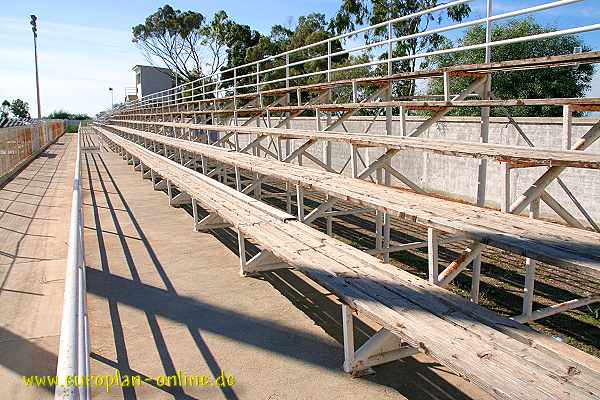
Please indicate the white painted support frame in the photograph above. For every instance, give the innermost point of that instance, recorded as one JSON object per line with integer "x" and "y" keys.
{"x": 211, "y": 221}
{"x": 179, "y": 199}
{"x": 381, "y": 348}
{"x": 261, "y": 262}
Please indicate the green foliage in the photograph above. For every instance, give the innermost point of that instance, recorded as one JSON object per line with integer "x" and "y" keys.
{"x": 62, "y": 114}
{"x": 4, "y": 109}
{"x": 192, "y": 46}
{"x": 19, "y": 108}
{"x": 172, "y": 36}
{"x": 371, "y": 12}
{"x": 215, "y": 36}
{"x": 189, "y": 45}
{"x": 239, "y": 40}
{"x": 540, "y": 83}
{"x": 71, "y": 128}
{"x": 309, "y": 29}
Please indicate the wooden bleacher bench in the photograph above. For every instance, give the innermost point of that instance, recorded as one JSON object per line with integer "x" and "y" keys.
{"x": 506, "y": 359}
{"x": 544, "y": 241}
{"x": 576, "y": 104}
{"x": 458, "y": 70}
{"x": 514, "y": 155}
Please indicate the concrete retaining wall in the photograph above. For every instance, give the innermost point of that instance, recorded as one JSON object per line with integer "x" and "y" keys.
{"x": 456, "y": 178}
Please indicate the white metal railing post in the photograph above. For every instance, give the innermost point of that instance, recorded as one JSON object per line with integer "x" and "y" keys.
{"x": 384, "y": 237}
{"x": 287, "y": 70}
{"x": 288, "y": 142}
{"x": 485, "y": 111}
{"x": 390, "y": 47}
{"x": 235, "y": 115}
{"x": 488, "y": 32}
{"x": 258, "y": 77}
{"x": 329, "y": 65}
{"x": 484, "y": 132}
{"x": 234, "y": 83}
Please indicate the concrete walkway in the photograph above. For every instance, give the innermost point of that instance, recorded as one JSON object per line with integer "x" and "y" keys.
{"x": 164, "y": 299}
{"x": 34, "y": 220}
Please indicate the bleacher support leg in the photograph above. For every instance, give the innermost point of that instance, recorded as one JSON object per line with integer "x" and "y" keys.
{"x": 432, "y": 255}
{"x": 178, "y": 200}
{"x": 300, "y": 202}
{"x": 381, "y": 348}
{"x": 262, "y": 262}
{"x": 530, "y": 265}
{"x": 242, "y": 253}
{"x": 476, "y": 280}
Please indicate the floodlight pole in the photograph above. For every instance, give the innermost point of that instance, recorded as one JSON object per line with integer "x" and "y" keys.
{"x": 37, "y": 77}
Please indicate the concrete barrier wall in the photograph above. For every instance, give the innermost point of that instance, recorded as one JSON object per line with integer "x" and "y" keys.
{"x": 456, "y": 178}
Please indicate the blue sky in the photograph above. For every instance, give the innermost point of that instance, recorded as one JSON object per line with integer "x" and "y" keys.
{"x": 85, "y": 47}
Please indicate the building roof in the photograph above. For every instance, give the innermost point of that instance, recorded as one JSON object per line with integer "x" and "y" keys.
{"x": 139, "y": 66}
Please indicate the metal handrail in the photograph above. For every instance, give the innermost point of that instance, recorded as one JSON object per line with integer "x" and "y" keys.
{"x": 203, "y": 80}
{"x": 73, "y": 356}
{"x": 312, "y": 45}
{"x": 185, "y": 91}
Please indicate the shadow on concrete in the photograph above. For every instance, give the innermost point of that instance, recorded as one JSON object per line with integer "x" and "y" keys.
{"x": 145, "y": 378}
{"x": 24, "y": 226}
{"x": 25, "y": 358}
{"x": 93, "y": 163}
{"x": 122, "y": 362}
{"x": 47, "y": 155}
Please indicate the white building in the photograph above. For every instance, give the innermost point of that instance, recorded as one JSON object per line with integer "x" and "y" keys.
{"x": 149, "y": 79}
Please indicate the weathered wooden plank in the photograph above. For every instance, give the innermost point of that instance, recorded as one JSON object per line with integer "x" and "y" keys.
{"x": 458, "y": 70}
{"x": 517, "y": 155}
{"x": 578, "y": 104}
{"x": 537, "y": 239}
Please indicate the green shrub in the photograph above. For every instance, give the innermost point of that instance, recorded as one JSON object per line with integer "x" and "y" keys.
{"x": 71, "y": 128}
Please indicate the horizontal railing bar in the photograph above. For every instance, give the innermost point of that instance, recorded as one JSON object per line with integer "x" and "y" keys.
{"x": 73, "y": 357}
{"x": 412, "y": 36}
{"x": 325, "y": 41}
{"x": 371, "y": 45}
